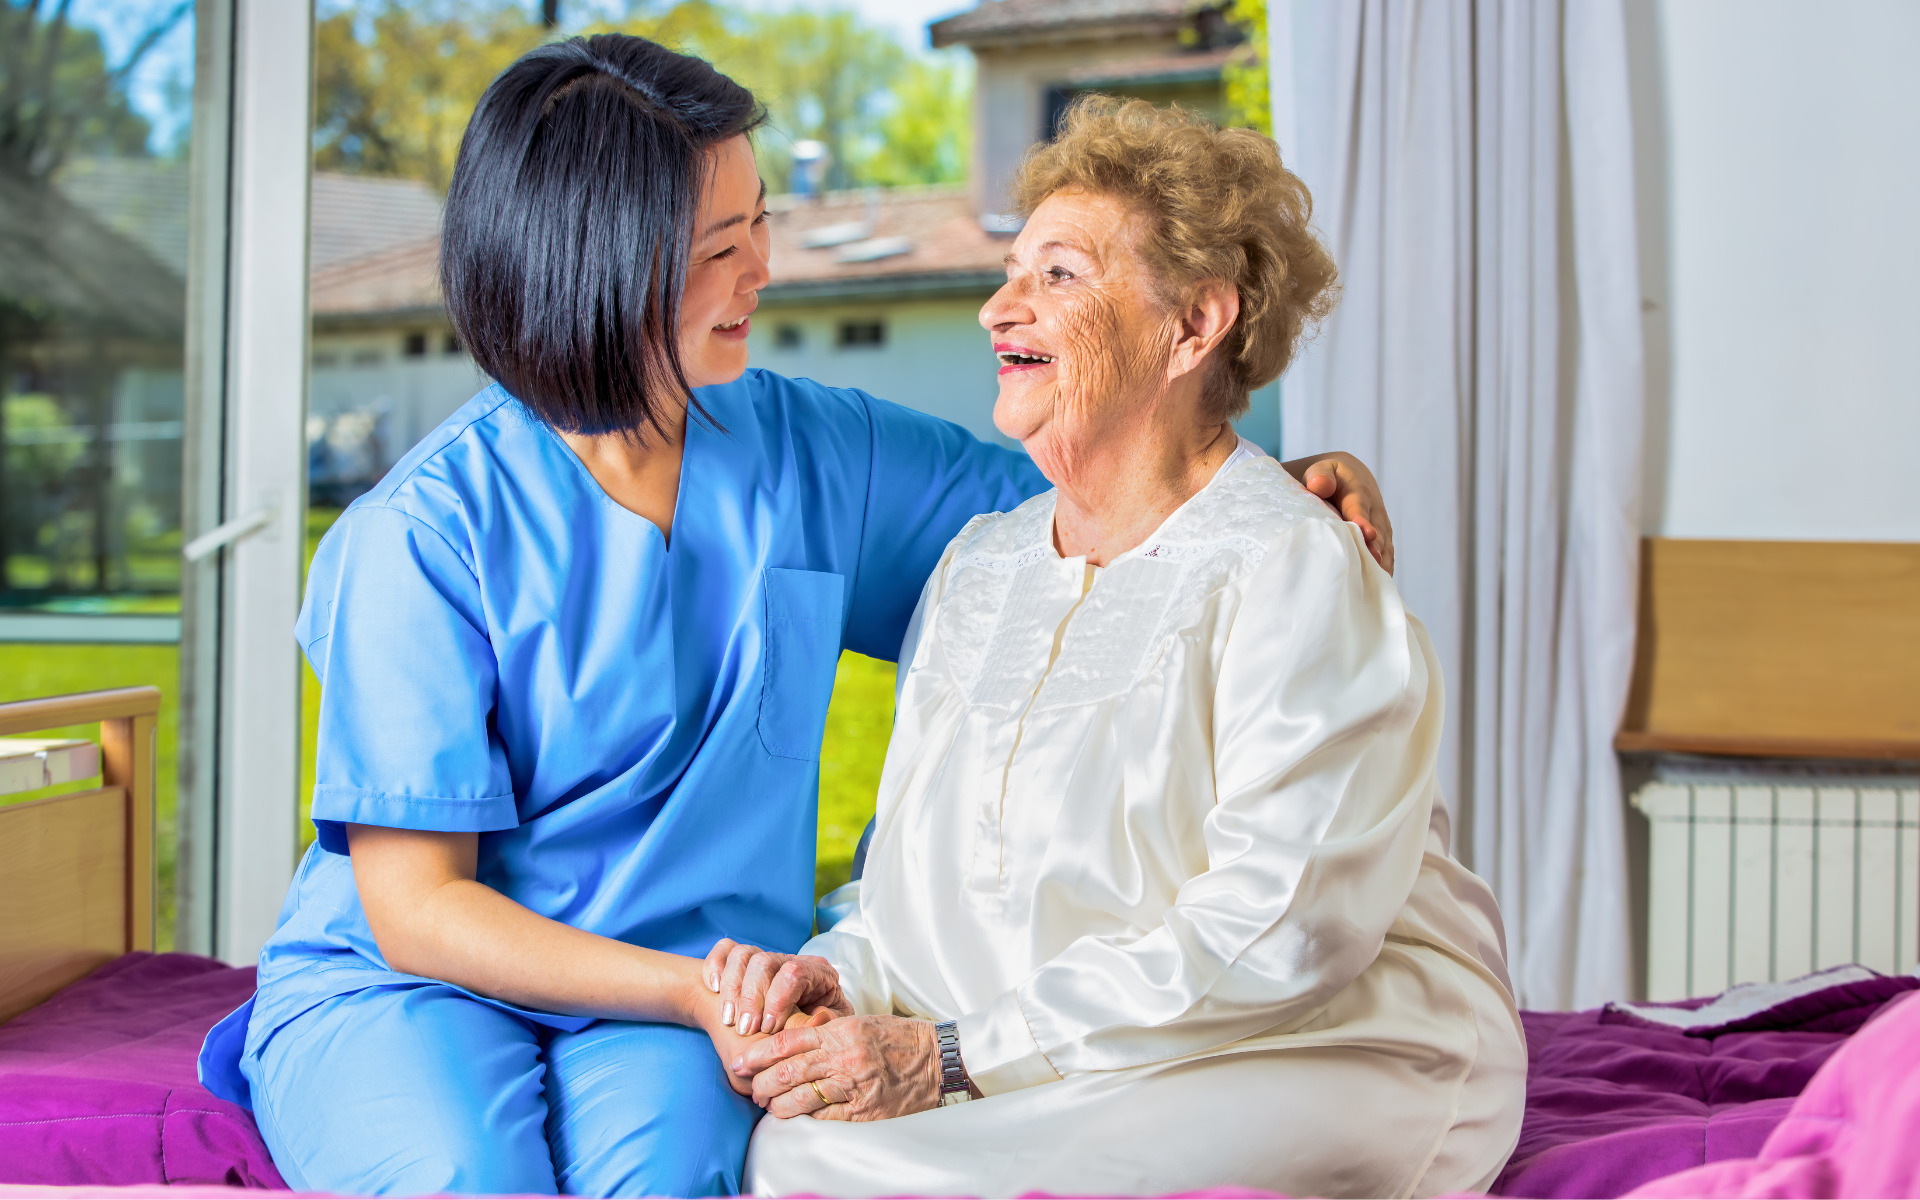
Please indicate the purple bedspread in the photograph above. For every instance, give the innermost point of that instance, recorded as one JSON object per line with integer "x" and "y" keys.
{"x": 98, "y": 1085}
{"x": 1614, "y": 1102}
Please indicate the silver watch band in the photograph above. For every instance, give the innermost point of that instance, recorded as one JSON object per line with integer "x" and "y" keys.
{"x": 954, "y": 1080}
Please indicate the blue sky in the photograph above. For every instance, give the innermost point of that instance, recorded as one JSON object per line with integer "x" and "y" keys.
{"x": 907, "y": 18}
{"x": 121, "y": 22}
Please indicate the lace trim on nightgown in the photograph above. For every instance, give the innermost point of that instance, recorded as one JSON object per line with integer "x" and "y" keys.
{"x": 988, "y": 628}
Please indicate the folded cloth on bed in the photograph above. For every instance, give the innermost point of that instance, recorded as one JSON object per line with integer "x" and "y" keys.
{"x": 98, "y": 1084}
{"x": 1838, "y": 997}
{"x": 1851, "y": 1133}
{"x": 1616, "y": 1099}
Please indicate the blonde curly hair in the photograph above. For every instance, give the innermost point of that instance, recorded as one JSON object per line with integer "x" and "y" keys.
{"x": 1219, "y": 205}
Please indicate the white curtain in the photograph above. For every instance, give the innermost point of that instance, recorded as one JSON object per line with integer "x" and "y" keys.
{"x": 1472, "y": 168}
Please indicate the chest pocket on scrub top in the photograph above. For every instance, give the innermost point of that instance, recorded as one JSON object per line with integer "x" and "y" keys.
{"x": 803, "y": 648}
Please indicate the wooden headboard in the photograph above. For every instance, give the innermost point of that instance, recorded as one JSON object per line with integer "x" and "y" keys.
{"x": 76, "y": 870}
{"x": 1777, "y": 649}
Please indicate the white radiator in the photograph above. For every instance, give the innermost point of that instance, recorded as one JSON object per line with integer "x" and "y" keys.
{"x": 1766, "y": 871}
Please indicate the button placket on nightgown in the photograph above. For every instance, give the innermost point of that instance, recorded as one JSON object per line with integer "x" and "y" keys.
{"x": 1044, "y": 596}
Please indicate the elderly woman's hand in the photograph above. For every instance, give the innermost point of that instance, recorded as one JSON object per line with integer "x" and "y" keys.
{"x": 853, "y": 1069}
{"x": 759, "y": 990}
{"x": 1344, "y": 482}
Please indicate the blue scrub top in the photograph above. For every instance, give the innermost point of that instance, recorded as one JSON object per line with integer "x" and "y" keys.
{"x": 633, "y": 726}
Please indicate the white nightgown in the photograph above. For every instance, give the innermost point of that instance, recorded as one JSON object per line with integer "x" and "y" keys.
{"x": 1165, "y": 840}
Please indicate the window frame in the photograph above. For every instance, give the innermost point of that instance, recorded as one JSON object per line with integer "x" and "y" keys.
{"x": 245, "y": 457}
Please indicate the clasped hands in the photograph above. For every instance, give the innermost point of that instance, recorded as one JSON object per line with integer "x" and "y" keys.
{"x": 788, "y": 1038}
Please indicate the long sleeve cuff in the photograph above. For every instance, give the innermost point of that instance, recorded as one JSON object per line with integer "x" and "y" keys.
{"x": 998, "y": 1048}
{"x": 851, "y": 954}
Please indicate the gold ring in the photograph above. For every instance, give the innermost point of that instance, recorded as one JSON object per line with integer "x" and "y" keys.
{"x": 815, "y": 1085}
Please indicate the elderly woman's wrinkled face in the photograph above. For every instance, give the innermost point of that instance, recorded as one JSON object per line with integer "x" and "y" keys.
{"x": 1080, "y": 330}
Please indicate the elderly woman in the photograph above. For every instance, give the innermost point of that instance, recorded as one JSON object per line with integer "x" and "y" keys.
{"x": 1160, "y": 880}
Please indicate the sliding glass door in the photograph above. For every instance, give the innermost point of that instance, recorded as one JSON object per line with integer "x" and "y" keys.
{"x": 96, "y": 134}
{"x": 246, "y": 472}
{"x": 153, "y": 201}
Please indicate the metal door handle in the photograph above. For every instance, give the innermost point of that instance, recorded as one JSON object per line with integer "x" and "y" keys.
{"x": 222, "y": 536}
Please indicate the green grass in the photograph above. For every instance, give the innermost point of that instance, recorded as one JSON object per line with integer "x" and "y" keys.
{"x": 319, "y": 520}
{"x": 859, "y": 721}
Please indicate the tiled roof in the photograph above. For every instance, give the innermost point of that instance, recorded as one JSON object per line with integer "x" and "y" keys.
{"x": 920, "y": 238}
{"x": 376, "y": 241}
{"x": 58, "y": 259}
{"x": 1001, "y": 18}
{"x": 354, "y": 216}
{"x": 402, "y": 279}
{"x": 937, "y": 231}
{"x": 358, "y": 215}
{"x": 140, "y": 198}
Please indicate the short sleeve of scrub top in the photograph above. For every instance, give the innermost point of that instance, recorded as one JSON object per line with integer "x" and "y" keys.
{"x": 407, "y": 678}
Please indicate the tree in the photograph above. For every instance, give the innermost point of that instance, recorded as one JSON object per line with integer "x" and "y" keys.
{"x": 825, "y": 76}
{"x": 888, "y": 118}
{"x": 76, "y": 299}
{"x": 1249, "y": 101}
{"x": 397, "y": 102}
{"x": 925, "y": 136}
{"x": 58, "y": 96}
{"x": 394, "y": 92}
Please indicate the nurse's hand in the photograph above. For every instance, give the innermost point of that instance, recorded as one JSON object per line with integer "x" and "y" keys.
{"x": 1346, "y": 484}
{"x": 729, "y": 1044}
{"x": 759, "y": 990}
{"x": 852, "y": 1069}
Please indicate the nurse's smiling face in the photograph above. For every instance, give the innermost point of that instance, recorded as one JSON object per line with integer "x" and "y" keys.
{"x": 727, "y": 268}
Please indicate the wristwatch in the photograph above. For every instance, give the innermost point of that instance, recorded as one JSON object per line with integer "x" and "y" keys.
{"x": 956, "y": 1087}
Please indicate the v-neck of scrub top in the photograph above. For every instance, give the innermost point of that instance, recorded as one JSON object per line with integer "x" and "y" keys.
{"x": 693, "y": 679}
{"x": 679, "y": 483}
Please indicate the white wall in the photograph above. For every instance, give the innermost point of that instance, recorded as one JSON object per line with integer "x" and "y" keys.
{"x": 1009, "y": 99}
{"x": 1780, "y": 186}
{"x": 369, "y": 375}
{"x": 936, "y": 357}
{"x": 414, "y": 394}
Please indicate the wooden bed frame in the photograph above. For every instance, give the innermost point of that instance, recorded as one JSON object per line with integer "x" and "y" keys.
{"x": 77, "y": 870}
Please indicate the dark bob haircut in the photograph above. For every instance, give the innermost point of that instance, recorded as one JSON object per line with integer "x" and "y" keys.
{"x": 570, "y": 220}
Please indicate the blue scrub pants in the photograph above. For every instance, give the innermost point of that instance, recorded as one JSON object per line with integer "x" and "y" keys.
{"x": 423, "y": 1090}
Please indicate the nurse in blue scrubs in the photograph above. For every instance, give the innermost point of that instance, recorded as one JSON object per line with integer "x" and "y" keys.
{"x": 576, "y": 652}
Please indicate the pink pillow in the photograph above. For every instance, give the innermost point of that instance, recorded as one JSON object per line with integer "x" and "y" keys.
{"x": 1851, "y": 1132}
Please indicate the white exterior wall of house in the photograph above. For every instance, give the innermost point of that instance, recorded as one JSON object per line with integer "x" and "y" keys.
{"x": 1777, "y": 172}
{"x": 370, "y": 400}
{"x": 1010, "y": 96}
{"x": 935, "y": 358}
